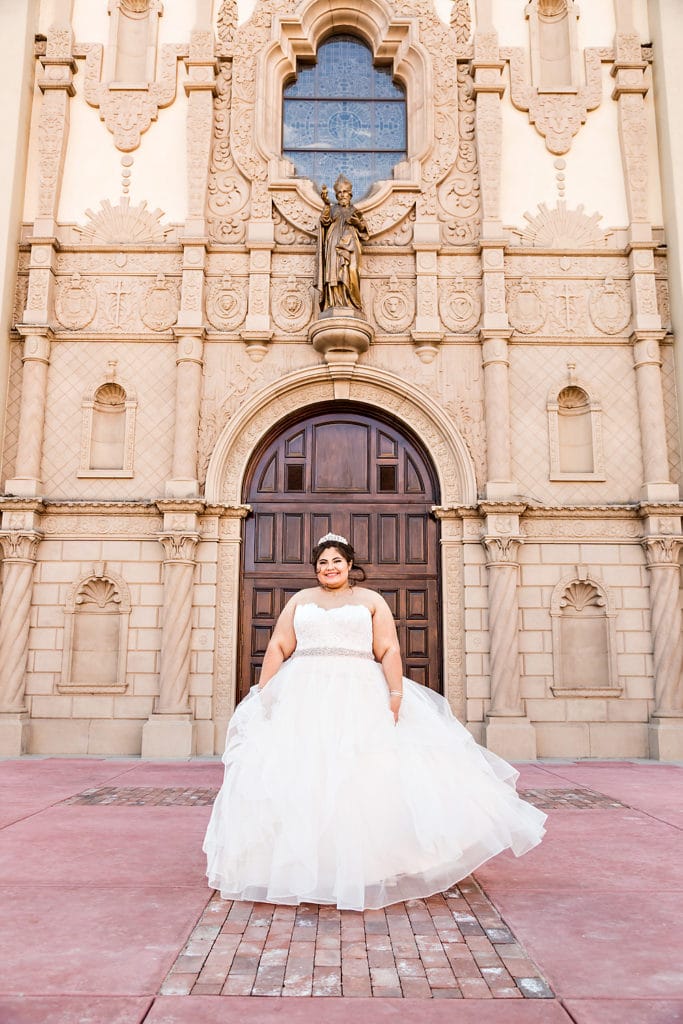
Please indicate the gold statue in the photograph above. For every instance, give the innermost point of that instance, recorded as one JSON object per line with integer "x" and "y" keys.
{"x": 342, "y": 228}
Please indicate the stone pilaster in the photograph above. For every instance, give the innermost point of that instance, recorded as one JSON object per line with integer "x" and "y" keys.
{"x": 631, "y": 85}
{"x": 428, "y": 333}
{"x": 508, "y": 731}
{"x": 36, "y": 359}
{"x": 499, "y": 485}
{"x": 169, "y": 732}
{"x": 258, "y": 329}
{"x": 225, "y": 685}
{"x": 189, "y": 362}
{"x": 662, "y": 554}
{"x": 19, "y": 545}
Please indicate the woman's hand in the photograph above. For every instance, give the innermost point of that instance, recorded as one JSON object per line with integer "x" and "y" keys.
{"x": 395, "y": 705}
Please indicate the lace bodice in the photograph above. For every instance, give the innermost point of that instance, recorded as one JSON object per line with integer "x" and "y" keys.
{"x": 347, "y": 628}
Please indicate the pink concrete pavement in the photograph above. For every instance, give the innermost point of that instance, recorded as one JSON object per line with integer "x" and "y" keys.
{"x": 98, "y": 902}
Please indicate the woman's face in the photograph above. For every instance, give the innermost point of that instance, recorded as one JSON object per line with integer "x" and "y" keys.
{"x": 332, "y": 569}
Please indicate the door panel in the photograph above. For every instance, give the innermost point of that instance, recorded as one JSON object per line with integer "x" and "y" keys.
{"x": 350, "y": 472}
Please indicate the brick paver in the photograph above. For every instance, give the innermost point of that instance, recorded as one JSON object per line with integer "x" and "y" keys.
{"x": 450, "y": 946}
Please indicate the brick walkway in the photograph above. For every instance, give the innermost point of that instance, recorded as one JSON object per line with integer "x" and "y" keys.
{"x": 451, "y": 946}
{"x": 106, "y": 916}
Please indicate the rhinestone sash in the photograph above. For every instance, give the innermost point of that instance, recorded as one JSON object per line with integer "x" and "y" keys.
{"x": 332, "y": 652}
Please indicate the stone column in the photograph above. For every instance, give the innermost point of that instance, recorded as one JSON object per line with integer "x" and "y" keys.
{"x": 227, "y": 619}
{"x": 19, "y": 549}
{"x": 648, "y": 367}
{"x": 189, "y": 362}
{"x": 169, "y": 732}
{"x": 508, "y": 731}
{"x": 666, "y": 724}
{"x": 36, "y": 359}
{"x": 497, "y": 413}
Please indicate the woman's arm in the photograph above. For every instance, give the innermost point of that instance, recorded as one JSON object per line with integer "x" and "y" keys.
{"x": 281, "y": 644}
{"x": 387, "y": 651}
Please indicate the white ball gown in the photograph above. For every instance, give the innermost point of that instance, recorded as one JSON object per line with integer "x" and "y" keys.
{"x": 327, "y": 800}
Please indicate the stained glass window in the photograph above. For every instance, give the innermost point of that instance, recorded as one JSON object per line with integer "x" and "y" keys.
{"x": 344, "y": 115}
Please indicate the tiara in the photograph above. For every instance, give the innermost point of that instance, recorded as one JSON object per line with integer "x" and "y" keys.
{"x": 333, "y": 536}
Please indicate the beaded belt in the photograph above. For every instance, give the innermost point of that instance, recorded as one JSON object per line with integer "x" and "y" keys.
{"x": 329, "y": 652}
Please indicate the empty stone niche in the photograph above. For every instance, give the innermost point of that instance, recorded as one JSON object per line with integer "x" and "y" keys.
{"x": 575, "y": 431}
{"x": 554, "y": 45}
{"x": 108, "y": 432}
{"x": 584, "y": 642}
{"x": 96, "y": 635}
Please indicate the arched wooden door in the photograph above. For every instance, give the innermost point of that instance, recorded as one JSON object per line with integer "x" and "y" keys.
{"x": 347, "y": 470}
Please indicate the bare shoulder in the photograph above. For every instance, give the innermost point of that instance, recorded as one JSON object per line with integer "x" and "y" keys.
{"x": 370, "y": 598}
{"x": 301, "y": 596}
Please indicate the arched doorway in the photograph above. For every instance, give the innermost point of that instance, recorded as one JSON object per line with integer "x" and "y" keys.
{"x": 355, "y": 471}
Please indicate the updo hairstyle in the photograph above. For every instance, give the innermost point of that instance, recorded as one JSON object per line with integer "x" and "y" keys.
{"x": 357, "y": 573}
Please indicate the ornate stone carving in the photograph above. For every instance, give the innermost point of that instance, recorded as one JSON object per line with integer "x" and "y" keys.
{"x": 123, "y": 224}
{"x": 557, "y": 116}
{"x": 287, "y": 233}
{"x": 19, "y": 550}
{"x": 559, "y": 228}
{"x": 501, "y": 556}
{"x": 292, "y": 304}
{"x": 76, "y": 303}
{"x": 159, "y": 306}
{"x": 460, "y": 304}
{"x": 667, "y": 640}
{"x": 226, "y": 26}
{"x": 128, "y": 113}
{"x": 610, "y": 307}
{"x": 526, "y": 308}
{"x": 461, "y": 20}
{"x": 228, "y": 193}
{"x": 393, "y": 305}
{"x": 226, "y": 303}
{"x": 459, "y": 195}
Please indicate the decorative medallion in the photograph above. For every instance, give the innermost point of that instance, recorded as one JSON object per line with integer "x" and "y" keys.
{"x": 291, "y": 304}
{"x": 76, "y": 303}
{"x": 394, "y": 305}
{"x": 610, "y": 307}
{"x": 159, "y": 306}
{"x": 459, "y": 305}
{"x": 526, "y": 309}
{"x": 226, "y": 303}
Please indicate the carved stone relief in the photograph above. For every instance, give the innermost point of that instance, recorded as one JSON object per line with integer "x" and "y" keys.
{"x": 525, "y": 306}
{"x": 557, "y": 116}
{"x": 228, "y": 192}
{"x": 610, "y": 307}
{"x": 292, "y": 304}
{"x": 128, "y": 113}
{"x": 460, "y": 304}
{"x": 459, "y": 195}
{"x": 159, "y": 306}
{"x": 393, "y": 305}
{"x": 123, "y": 224}
{"x": 559, "y": 228}
{"x": 76, "y": 303}
{"x": 226, "y": 303}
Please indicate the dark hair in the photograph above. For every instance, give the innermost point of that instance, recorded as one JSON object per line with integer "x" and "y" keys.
{"x": 344, "y": 549}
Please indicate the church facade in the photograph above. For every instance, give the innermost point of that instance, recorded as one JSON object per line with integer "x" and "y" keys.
{"x": 496, "y": 427}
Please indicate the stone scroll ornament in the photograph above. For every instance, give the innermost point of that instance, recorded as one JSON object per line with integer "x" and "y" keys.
{"x": 341, "y": 230}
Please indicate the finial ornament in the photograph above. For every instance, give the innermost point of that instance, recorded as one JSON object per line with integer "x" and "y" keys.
{"x": 333, "y": 536}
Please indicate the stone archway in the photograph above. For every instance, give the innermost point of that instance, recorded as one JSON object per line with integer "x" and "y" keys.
{"x": 224, "y": 484}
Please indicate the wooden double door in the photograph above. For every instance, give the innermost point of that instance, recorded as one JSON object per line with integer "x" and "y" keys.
{"x": 357, "y": 473}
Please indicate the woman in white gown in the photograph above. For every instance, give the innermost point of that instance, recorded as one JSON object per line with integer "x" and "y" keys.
{"x": 346, "y": 783}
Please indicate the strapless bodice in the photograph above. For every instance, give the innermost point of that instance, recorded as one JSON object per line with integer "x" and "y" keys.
{"x": 335, "y": 630}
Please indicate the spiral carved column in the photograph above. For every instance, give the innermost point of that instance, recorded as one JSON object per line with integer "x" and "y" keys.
{"x": 666, "y": 726}
{"x": 15, "y": 607}
{"x": 36, "y": 359}
{"x": 169, "y": 731}
{"x": 648, "y": 367}
{"x": 508, "y": 732}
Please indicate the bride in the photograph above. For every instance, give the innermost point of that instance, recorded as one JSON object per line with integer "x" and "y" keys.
{"x": 346, "y": 783}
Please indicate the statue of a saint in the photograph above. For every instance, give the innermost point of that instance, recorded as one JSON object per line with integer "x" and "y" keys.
{"x": 342, "y": 228}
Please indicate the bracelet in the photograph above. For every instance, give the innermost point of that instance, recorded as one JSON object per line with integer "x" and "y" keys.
{"x": 395, "y": 693}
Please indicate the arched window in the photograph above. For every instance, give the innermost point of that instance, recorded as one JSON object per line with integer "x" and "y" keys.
{"x": 344, "y": 115}
{"x": 96, "y": 635}
{"x": 575, "y": 435}
{"x": 108, "y": 432}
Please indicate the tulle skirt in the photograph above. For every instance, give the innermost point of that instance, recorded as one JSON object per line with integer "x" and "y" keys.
{"x": 327, "y": 800}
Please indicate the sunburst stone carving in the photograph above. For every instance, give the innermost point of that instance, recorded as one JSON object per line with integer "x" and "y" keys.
{"x": 123, "y": 224}
{"x": 559, "y": 228}
{"x": 582, "y": 594}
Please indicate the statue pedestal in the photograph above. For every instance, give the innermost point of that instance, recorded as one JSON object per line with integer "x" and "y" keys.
{"x": 513, "y": 738}
{"x": 168, "y": 736}
{"x": 14, "y": 729}
{"x": 666, "y": 738}
{"x": 341, "y": 335}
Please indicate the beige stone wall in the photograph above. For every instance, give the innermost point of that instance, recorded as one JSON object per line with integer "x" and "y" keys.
{"x": 516, "y": 279}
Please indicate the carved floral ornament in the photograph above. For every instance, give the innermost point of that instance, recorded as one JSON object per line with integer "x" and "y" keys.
{"x": 394, "y": 305}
